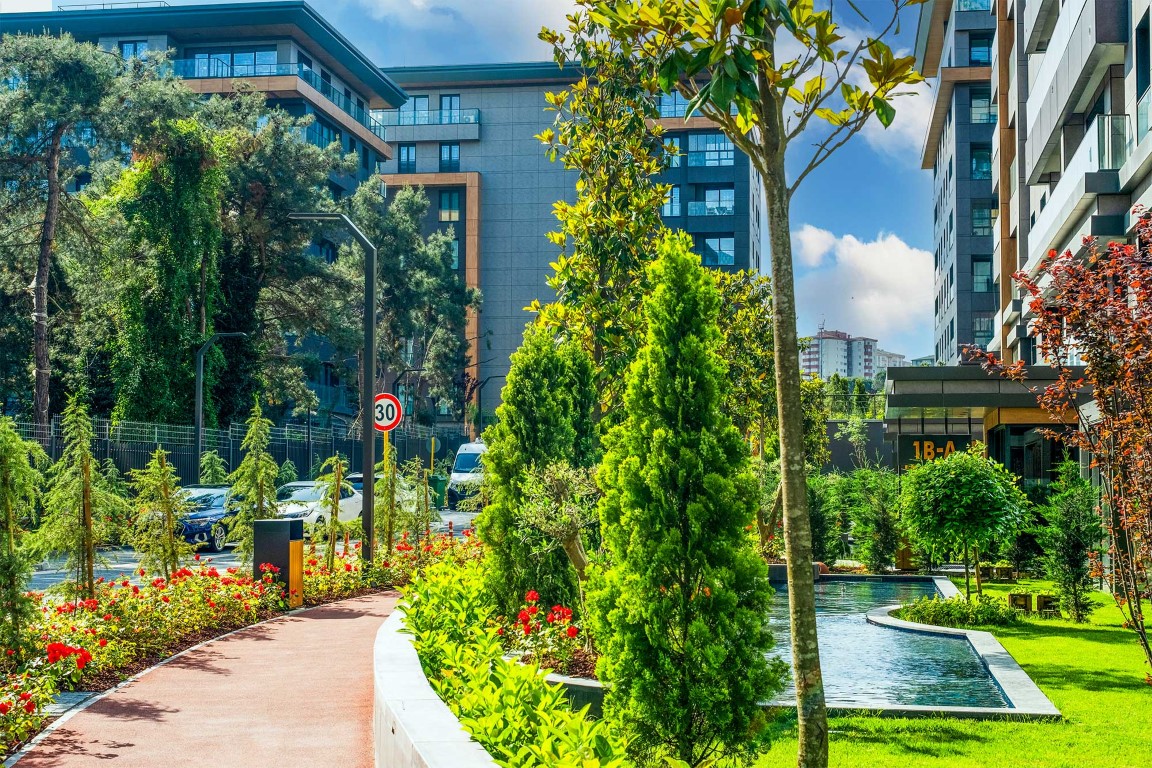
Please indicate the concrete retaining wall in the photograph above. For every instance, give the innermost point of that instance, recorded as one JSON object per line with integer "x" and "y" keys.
{"x": 411, "y": 726}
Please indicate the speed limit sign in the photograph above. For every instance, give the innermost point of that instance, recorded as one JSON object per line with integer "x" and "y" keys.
{"x": 386, "y": 412}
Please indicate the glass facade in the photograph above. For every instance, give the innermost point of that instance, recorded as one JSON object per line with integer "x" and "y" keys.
{"x": 449, "y": 205}
{"x": 710, "y": 150}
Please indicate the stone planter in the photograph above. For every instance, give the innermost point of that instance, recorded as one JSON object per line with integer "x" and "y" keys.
{"x": 581, "y": 692}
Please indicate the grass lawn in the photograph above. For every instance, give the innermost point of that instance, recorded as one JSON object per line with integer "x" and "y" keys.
{"x": 1093, "y": 673}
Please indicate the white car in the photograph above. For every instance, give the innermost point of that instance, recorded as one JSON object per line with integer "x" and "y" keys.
{"x": 305, "y": 501}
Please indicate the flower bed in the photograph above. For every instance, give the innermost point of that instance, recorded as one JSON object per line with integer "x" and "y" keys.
{"x": 132, "y": 623}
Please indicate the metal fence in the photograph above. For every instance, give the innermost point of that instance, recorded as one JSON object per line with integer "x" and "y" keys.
{"x": 130, "y": 444}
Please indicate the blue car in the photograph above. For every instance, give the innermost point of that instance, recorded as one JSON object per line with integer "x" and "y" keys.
{"x": 208, "y": 521}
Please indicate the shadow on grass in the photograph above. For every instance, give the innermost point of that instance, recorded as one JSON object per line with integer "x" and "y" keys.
{"x": 1087, "y": 633}
{"x": 1065, "y": 676}
{"x": 928, "y": 737}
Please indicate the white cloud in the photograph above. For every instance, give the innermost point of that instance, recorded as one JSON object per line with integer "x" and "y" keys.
{"x": 812, "y": 244}
{"x": 904, "y": 139}
{"x": 880, "y": 288}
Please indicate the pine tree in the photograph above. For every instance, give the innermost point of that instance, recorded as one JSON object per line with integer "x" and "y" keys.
{"x": 253, "y": 483}
{"x": 213, "y": 470}
{"x": 1073, "y": 535}
{"x": 160, "y": 510}
{"x": 20, "y": 482}
{"x": 679, "y": 615}
{"x": 333, "y": 482}
{"x": 545, "y": 417}
{"x": 287, "y": 473}
{"x": 79, "y": 505}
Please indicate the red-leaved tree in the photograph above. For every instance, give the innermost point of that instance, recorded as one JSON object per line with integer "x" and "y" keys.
{"x": 1093, "y": 326}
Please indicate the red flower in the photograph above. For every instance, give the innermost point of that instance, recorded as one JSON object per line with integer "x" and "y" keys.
{"x": 527, "y": 629}
{"x": 30, "y": 707}
{"x": 103, "y": 642}
{"x": 165, "y": 598}
{"x": 531, "y": 596}
{"x": 524, "y": 617}
{"x": 533, "y": 610}
{"x": 500, "y": 630}
{"x": 135, "y": 589}
{"x": 5, "y": 708}
{"x": 107, "y": 617}
{"x": 573, "y": 631}
{"x": 347, "y": 566}
{"x": 24, "y": 696}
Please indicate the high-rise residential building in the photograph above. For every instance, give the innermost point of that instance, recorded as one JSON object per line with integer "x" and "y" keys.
{"x": 954, "y": 46}
{"x": 831, "y": 353}
{"x": 467, "y": 136}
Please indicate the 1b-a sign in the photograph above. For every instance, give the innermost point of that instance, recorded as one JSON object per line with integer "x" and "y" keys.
{"x": 386, "y": 412}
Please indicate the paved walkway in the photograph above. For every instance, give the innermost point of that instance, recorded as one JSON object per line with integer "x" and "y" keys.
{"x": 296, "y": 691}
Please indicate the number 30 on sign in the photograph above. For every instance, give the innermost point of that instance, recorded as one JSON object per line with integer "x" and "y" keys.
{"x": 386, "y": 412}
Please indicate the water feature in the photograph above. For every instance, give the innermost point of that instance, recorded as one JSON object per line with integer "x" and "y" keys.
{"x": 869, "y": 666}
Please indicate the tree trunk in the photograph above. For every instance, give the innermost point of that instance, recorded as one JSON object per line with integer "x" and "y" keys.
{"x": 976, "y": 558}
{"x": 40, "y": 285}
{"x": 967, "y": 581}
{"x": 811, "y": 711}
{"x": 574, "y": 548}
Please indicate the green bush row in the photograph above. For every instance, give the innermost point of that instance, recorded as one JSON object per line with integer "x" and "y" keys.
{"x": 508, "y": 707}
{"x": 958, "y": 612}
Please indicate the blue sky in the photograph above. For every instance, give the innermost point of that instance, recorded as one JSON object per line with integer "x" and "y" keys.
{"x": 862, "y": 224}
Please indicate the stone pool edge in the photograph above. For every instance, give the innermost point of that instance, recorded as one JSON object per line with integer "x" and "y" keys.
{"x": 1026, "y": 700}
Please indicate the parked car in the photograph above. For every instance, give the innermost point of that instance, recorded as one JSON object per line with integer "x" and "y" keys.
{"x": 208, "y": 522}
{"x": 356, "y": 480}
{"x": 304, "y": 500}
{"x": 467, "y": 472}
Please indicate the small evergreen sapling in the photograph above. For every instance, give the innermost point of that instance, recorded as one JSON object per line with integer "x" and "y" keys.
{"x": 332, "y": 474}
{"x": 1071, "y": 538}
{"x": 253, "y": 483}
{"x": 213, "y": 470}
{"x": 20, "y": 482}
{"x": 161, "y": 507}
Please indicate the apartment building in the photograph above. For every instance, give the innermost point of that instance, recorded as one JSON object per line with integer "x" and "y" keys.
{"x": 837, "y": 352}
{"x": 467, "y": 135}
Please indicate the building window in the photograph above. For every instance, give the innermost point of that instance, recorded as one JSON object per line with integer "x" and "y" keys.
{"x": 449, "y": 158}
{"x": 673, "y": 105}
{"x": 449, "y": 205}
{"x": 455, "y": 254}
{"x": 981, "y": 161}
{"x": 709, "y": 150}
{"x": 450, "y": 109}
{"x": 983, "y": 217}
{"x": 407, "y": 157}
{"x": 672, "y": 202}
{"x": 133, "y": 49}
{"x": 323, "y": 134}
{"x": 982, "y": 274}
{"x": 982, "y": 328}
{"x": 719, "y": 201}
{"x": 247, "y": 61}
{"x": 719, "y": 251}
{"x": 980, "y": 106}
{"x": 673, "y": 151}
{"x": 979, "y": 49}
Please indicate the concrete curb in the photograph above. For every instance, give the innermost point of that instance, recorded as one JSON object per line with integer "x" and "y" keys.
{"x": 1025, "y": 699}
{"x": 411, "y": 726}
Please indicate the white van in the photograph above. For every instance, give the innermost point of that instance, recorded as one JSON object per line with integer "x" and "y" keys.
{"x": 467, "y": 472}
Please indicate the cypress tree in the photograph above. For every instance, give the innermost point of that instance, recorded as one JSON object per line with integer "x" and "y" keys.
{"x": 20, "y": 482}
{"x": 681, "y": 614}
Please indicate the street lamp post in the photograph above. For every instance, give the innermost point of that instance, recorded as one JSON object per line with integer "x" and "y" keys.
{"x": 368, "y": 381}
{"x": 199, "y": 416}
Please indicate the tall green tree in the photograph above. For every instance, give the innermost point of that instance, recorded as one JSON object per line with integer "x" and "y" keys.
{"x": 20, "y": 485}
{"x": 546, "y": 416}
{"x": 253, "y": 482}
{"x": 963, "y": 500}
{"x": 789, "y": 88}
{"x": 79, "y": 507}
{"x": 1072, "y": 537}
{"x": 161, "y": 507}
{"x": 679, "y": 613}
{"x": 604, "y": 130}
{"x": 747, "y": 350}
{"x": 60, "y": 96}
{"x": 170, "y": 200}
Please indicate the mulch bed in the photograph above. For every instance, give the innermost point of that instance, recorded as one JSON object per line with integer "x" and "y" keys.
{"x": 582, "y": 664}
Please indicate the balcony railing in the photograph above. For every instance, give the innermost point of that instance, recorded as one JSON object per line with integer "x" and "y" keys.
{"x": 974, "y": 5}
{"x": 406, "y": 117}
{"x": 1142, "y": 123}
{"x": 707, "y": 208}
{"x": 210, "y": 68}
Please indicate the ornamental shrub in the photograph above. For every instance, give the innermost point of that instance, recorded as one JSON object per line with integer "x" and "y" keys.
{"x": 20, "y": 481}
{"x": 1071, "y": 539}
{"x": 545, "y": 417}
{"x": 679, "y": 615}
{"x": 983, "y": 611}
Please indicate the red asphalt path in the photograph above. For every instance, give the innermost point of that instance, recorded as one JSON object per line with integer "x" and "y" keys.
{"x": 295, "y": 691}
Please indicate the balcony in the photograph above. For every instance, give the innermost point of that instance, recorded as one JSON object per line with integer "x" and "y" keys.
{"x": 213, "y": 69}
{"x": 710, "y": 208}
{"x": 408, "y": 125}
{"x": 1073, "y": 206}
{"x": 1088, "y": 36}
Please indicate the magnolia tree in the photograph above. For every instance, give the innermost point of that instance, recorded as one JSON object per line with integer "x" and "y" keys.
{"x": 1092, "y": 320}
{"x": 789, "y": 88}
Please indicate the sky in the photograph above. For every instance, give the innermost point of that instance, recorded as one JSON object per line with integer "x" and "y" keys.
{"x": 862, "y": 224}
